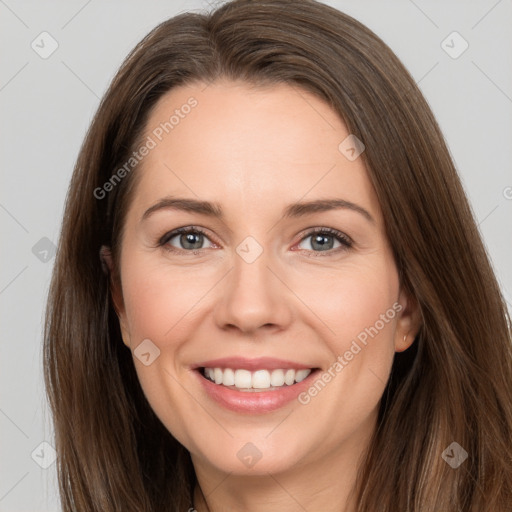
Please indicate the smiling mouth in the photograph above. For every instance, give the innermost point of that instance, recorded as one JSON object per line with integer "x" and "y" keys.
{"x": 255, "y": 381}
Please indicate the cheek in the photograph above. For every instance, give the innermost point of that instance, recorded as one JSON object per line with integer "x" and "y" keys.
{"x": 357, "y": 302}
{"x": 359, "y": 311}
{"x": 160, "y": 304}
{"x": 159, "y": 300}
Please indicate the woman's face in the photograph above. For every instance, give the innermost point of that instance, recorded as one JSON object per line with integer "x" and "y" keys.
{"x": 266, "y": 287}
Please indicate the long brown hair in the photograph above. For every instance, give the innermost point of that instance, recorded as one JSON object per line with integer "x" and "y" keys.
{"x": 453, "y": 385}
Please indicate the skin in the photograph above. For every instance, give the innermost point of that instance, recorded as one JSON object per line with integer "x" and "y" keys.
{"x": 255, "y": 151}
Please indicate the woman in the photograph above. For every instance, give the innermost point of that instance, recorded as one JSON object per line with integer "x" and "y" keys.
{"x": 270, "y": 291}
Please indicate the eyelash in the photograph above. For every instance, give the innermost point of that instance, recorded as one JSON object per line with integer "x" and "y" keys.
{"x": 346, "y": 242}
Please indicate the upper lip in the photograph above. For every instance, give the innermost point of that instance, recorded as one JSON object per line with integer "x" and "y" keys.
{"x": 258, "y": 363}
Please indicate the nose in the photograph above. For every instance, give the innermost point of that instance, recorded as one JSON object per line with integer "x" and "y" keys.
{"x": 254, "y": 297}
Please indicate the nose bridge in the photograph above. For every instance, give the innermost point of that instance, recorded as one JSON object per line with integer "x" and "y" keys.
{"x": 251, "y": 270}
{"x": 253, "y": 296}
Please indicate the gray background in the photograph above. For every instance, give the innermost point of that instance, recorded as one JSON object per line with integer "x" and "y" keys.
{"x": 47, "y": 104}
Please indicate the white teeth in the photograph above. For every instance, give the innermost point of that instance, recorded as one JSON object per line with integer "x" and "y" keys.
{"x": 217, "y": 372}
{"x": 277, "y": 378}
{"x": 228, "y": 378}
{"x": 301, "y": 375}
{"x": 260, "y": 379}
{"x": 289, "y": 377}
{"x": 242, "y": 379}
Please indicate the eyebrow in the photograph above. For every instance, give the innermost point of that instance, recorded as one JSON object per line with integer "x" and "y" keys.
{"x": 295, "y": 210}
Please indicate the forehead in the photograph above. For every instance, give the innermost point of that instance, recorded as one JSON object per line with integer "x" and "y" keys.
{"x": 234, "y": 143}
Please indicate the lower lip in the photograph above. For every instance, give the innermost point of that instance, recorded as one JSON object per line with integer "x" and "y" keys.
{"x": 255, "y": 402}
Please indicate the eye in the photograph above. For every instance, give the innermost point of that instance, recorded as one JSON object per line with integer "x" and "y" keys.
{"x": 325, "y": 240}
{"x": 186, "y": 239}
{"x": 192, "y": 238}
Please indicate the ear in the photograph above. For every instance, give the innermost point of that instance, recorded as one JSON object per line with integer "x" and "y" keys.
{"x": 116, "y": 291}
{"x": 409, "y": 321}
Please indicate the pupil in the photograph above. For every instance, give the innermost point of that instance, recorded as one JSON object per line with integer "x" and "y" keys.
{"x": 322, "y": 241}
{"x": 189, "y": 238}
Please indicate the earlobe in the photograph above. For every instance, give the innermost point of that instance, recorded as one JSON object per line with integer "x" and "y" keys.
{"x": 115, "y": 291}
{"x": 405, "y": 343}
{"x": 108, "y": 267}
{"x": 408, "y": 323}
{"x": 106, "y": 259}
